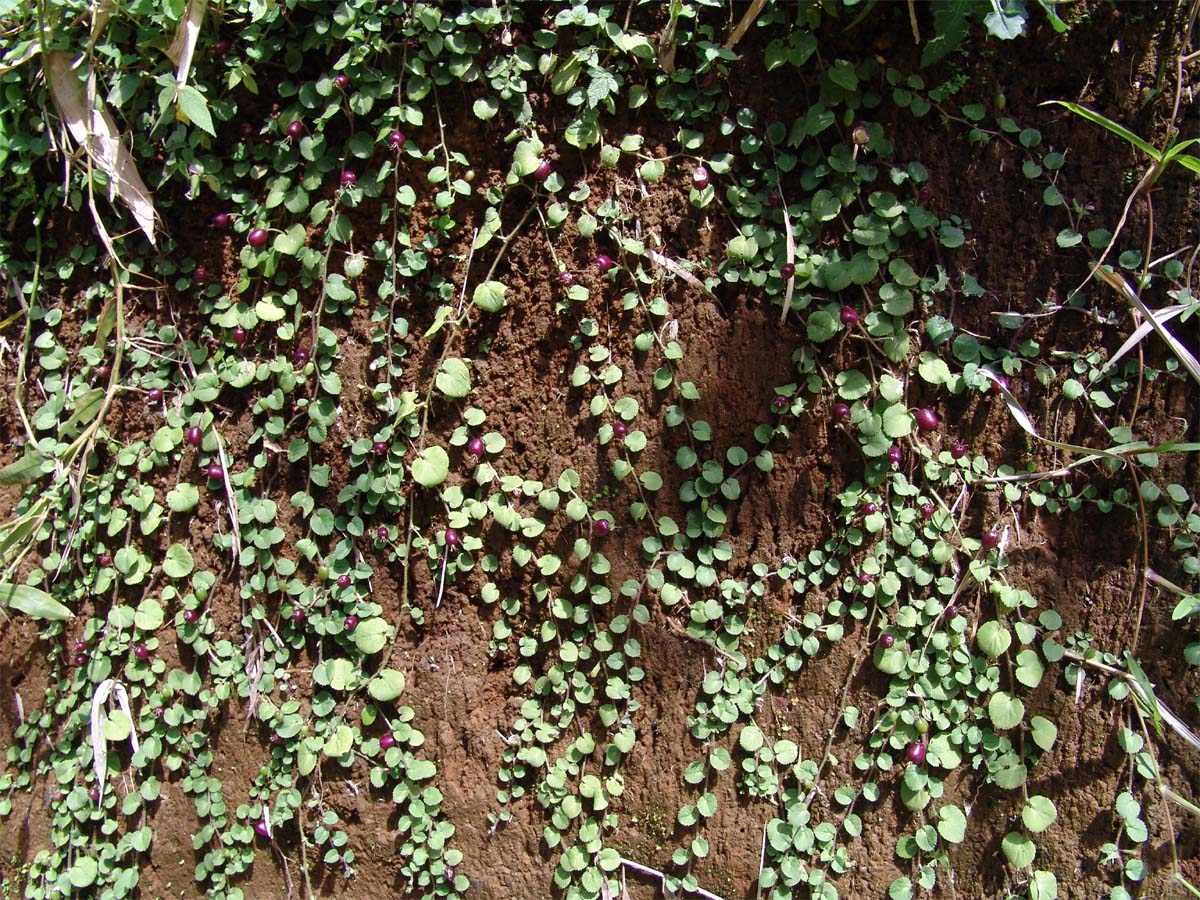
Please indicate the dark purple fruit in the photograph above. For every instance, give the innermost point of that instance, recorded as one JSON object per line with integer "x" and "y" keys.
{"x": 295, "y": 129}
{"x": 990, "y": 539}
{"x": 154, "y": 394}
{"x": 191, "y": 616}
{"x": 387, "y": 742}
{"x": 451, "y": 537}
{"x": 349, "y": 179}
{"x": 886, "y": 640}
{"x": 849, "y": 316}
{"x": 620, "y": 429}
{"x": 342, "y": 81}
{"x": 475, "y": 446}
{"x": 142, "y": 652}
{"x": 194, "y": 435}
{"x": 700, "y": 178}
{"x": 544, "y": 169}
{"x": 895, "y": 455}
{"x": 350, "y": 622}
{"x": 396, "y": 140}
{"x": 215, "y": 472}
{"x": 787, "y": 270}
{"x": 602, "y": 527}
{"x": 958, "y": 451}
{"x": 257, "y": 237}
{"x": 603, "y": 262}
{"x": 343, "y": 581}
{"x": 221, "y": 219}
{"x": 841, "y": 412}
{"x": 927, "y": 419}
{"x": 916, "y": 752}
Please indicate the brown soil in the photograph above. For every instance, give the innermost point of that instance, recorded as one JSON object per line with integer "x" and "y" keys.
{"x": 1086, "y": 565}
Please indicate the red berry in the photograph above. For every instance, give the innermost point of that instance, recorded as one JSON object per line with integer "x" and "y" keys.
{"x": 104, "y": 559}
{"x": 80, "y": 646}
{"x": 779, "y": 402}
{"x": 239, "y": 335}
{"x": 990, "y": 539}
{"x": 215, "y": 472}
{"x": 387, "y": 742}
{"x": 298, "y": 614}
{"x": 774, "y": 202}
{"x": 603, "y": 262}
{"x": 886, "y": 640}
{"x": 849, "y": 316}
{"x": 927, "y": 419}
{"x": 952, "y": 611}
{"x": 220, "y": 47}
{"x": 566, "y": 279}
{"x": 301, "y": 356}
{"x": 80, "y": 659}
{"x": 257, "y": 237}
{"x": 349, "y": 179}
{"x": 916, "y": 752}
{"x": 261, "y": 829}
{"x": 602, "y": 527}
{"x": 380, "y": 448}
{"x": 381, "y": 532}
{"x": 142, "y": 652}
{"x": 103, "y": 371}
{"x": 1000, "y": 380}
{"x": 475, "y": 446}
{"x": 343, "y": 581}
{"x": 295, "y": 129}
{"x": 924, "y": 194}
{"x": 700, "y": 178}
{"x": 927, "y": 509}
{"x": 787, "y": 270}
{"x": 870, "y": 508}
{"x": 620, "y": 429}
{"x": 396, "y": 140}
{"x": 451, "y": 537}
{"x": 958, "y": 451}
{"x": 841, "y": 412}
{"x": 154, "y": 394}
{"x": 342, "y": 81}
{"x": 200, "y": 275}
{"x": 94, "y": 794}
{"x": 350, "y": 622}
{"x": 544, "y": 169}
{"x": 864, "y": 578}
{"x": 194, "y": 435}
{"x": 221, "y": 219}
{"x": 895, "y": 455}
{"x": 191, "y": 615}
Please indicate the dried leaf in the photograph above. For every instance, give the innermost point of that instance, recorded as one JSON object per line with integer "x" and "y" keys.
{"x": 676, "y": 269}
{"x": 744, "y": 24}
{"x": 791, "y": 258}
{"x": 96, "y": 132}
{"x": 106, "y": 688}
{"x": 101, "y": 13}
{"x": 1184, "y": 355}
{"x": 183, "y": 45}
{"x": 1163, "y": 315}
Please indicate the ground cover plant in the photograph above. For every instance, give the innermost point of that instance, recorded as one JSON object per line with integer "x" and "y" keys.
{"x": 599, "y": 450}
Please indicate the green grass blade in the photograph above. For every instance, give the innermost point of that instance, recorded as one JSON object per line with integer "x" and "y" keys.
{"x": 1104, "y": 122}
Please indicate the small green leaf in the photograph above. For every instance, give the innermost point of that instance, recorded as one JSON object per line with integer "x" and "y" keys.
{"x": 751, "y": 738}
{"x": 1039, "y": 813}
{"x": 431, "y": 467}
{"x": 371, "y": 635}
{"x": 149, "y": 615}
{"x": 1005, "y": 710}
{"x": 993, "y": 638}
{"x": 1019, "y": 849}
{"x": 194, "y": 106}
{"x": 178, "y": 563}
{"x": 489, "y": 296}
{"x": 952, "y": 824}
{"x": 183, "y": 497}
{"x": 454, "y": 379}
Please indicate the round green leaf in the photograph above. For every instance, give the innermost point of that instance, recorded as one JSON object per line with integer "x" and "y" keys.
{"x": 370, "y": 635}
{"x": 387, "y": 685}
{"x": 454, "y": 379}
{"x": 489, "y": 296}
{"x": 751, "y": 738}
{"x": 177, "y": 563}
{"x": 952, "y": 824}
{"x": 431, "y": 467}
{"x": 1043, "y": 731}
{"x": 1018, "y": 849}
{"x": 1005, "y": 710}
{"x": 1039, "y": 813}
{"x": 82, "y": 873}
{"x": 993, "y": 638}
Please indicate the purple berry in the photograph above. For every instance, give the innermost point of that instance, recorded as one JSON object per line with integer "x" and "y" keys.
{"x": 927, "y": 419}
{"x": 381, "y": 532}
{"x": 191, "y": 616}
{"x": 620, "y": 429}
{"x": 451, "y": 537}
{"x": 239, "y": 335}
{"x": 895, "y": 455}
{"x": 220, "y": 48}
{"x": 544, "y": 169}
{"x": 350, "y": 622}
{"x": 700, "y": 178}
{"x": 257, "y": 237}
{"x": 787, "y": 270}
{"x": 104, "y": 559}
{"x": 380, "y": 448}
{"x": 475, "y": 446}
{"x": 870, "y": 508}
{"x": 342, "y": 81}
{"x": 80, "y": 646}
{"x": 215, "y": 472}
{"x": 999, "y": 382}
{"x": 924, "y": 194}
{"x": 841, "y": 412}
{"x": 927, "y": 510}
{"x": 916, "y": 752}
{"x": 864, "y": 578}
{"x": 154, "y": 394}
{"x": 94, "y": 794}
{"x": 779, "y": 402}
{"x": 603, "y": 262}
{"x": 387, "y": 742}
{"x": 990, "y": 539}
{"x": 194, "y": 435}
{"x": 221, "y": 219}
{"x": 295, "y": 129}
{"x": 142, "y": 652}
{"x": 200, "y": 275}
{"x": 849, "y": 316}
{"x": 343, "y": 581}
{"x": 298, "y": 614}
{"x": 566, "y": 279}
{"x": 396, "y": 140}
{"x": 952, "y": 611}
{"x": 958, "y": 451}
{"x": 261, "y": 829}
{"x": 602, "y": 527}
{"x": 349, "y": 179}
{"x": 886, "y": 640}
{"x": 80, "y": 659}
{"x": 301, "y": 356}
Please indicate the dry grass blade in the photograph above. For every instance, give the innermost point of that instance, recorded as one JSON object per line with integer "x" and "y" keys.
{"x": 101, "y": 14}
{"x": 104, "y": 690}
{"x": 676, "y": 269}
{"x": 791, "y": 258}
{"x": 96, "y": 132}
{"x": 183, "y": 45}
{"x": 1121, "y": 286}
{"x": 1163, "y": 315}
{"x": 744, "y": 24}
